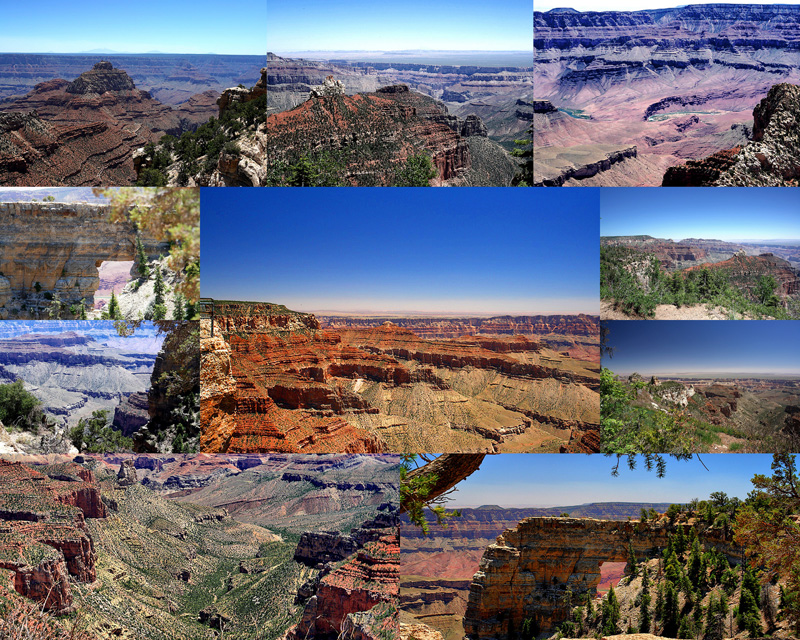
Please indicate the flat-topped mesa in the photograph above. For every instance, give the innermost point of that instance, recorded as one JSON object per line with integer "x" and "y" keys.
{"x": 100, "y": 78}
{"x": 52, "y": 249}
{"x": 526, "y": 574}
{"x": 43, "y": 534}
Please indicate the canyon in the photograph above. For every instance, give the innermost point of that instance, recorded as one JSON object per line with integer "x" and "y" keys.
{"x": 94, "y": 130}
{"x": 53, "y": 250}
{"x": 498, "y": 95}
{"x": 148, "y": 562}
{"x": 528, "y": 571}
{"x": 275, "y": 380}
{"x": 146, "y": 382}
{"x": 436, "y": 570}
{"x": 169, "y": 78}
{"x": 623, "y": 96}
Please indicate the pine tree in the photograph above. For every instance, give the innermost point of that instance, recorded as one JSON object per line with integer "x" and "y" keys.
{"x": 82, "y": 315}
{"x": 695, "y": 564}
{"x": 159, "y": 304}
{"x": 180, "y": 307}
{"x": 141, "y": 259}
{"x": 632, "y": 567}
{"x": 610, "y": 614}
{"x": 671, "y": 611}
{"x": 113, "y": 312}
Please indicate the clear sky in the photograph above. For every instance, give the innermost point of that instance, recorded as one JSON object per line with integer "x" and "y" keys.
{"x": 175, "y": 26}
{"x": 414, "y": 250}
{"x": 676, "y": 347}
{"x": 623, "y": 5}
{"x": 313, "y": 25}
{"x": 727, "y": 213}
{"x": 549, "y": 480}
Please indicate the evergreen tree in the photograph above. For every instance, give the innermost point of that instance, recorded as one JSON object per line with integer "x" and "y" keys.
{"x": 82, "y": 315}
{"x": 159, "y": 290}
{"x": 113, "y": 312}
{"x": 141, "y": 259}
{"x": 180, "y": 307}
{"x": 610, "y": 614}
{"x": 633, "y": 568}
{"x": 695, "y": 564}
{"x": 645, "y": 619}
{"x": 671, "y": 610}
{"x": 524, "y": 151}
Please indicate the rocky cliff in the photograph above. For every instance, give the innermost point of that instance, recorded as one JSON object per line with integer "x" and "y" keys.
{"x": 527, "y": 572}
{"x": 370, "y": 134}
{"x": 677, "y": 83}
{"x": 52, "y": 250}
{"x": 771, "y": 158}
{"x": 43, "y": 535}
{"x": 84, "y": 132}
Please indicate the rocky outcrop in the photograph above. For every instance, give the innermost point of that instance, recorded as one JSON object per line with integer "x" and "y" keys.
{"x": 240, "y": 95}
{"x": 127, "y": 474}
{"x": 43, "y": 535}
{"x": 317, "y": 548}
{"x": 389, "y": 126}
{"x": 82, "y": 132}
{"x": 772, "y": 158}
{"x": 131, "y": 414}
{"x": 527, "y": 572}
{"x": 367, "y": 581}
{"x": 52, "y": 250}
{"x": 581, "y": 171}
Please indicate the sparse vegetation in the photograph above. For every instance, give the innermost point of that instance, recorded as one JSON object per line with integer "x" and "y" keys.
{"x": 636, "y": 283}
{"x": 92, "y": 435}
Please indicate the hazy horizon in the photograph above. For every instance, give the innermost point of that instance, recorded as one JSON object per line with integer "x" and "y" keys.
{"x": 403, "y": 252}
{"x": 560, "y": 479}
{"x": 714, "y": 214}
{"x": 748, "y": 348}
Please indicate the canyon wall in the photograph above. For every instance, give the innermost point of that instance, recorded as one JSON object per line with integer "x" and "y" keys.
{"x": 526, "y": 574}
{"x": 55, "y": 249}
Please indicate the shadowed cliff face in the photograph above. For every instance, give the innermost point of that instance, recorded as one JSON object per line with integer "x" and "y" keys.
{"x": 84, "y": 132}
{"x": 527, "y": 572}
{"x": 55, "y": 249}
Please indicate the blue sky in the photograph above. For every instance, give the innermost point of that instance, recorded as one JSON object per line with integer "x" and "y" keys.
{"x": 676, "y": 347}
{"x": 620, "y": 5}
{"x": 306, "y": 25}
{"x": 727, "y": 213}
{"x": 175, "y": 26}
{"x": 441, "y": 251}
{"x": 546, "y": 480}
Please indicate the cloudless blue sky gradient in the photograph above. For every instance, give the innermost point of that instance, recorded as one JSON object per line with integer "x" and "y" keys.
{"x": 172, "y": 26}
{"x": 479, "y": 250}
{"x": 726, "y": 213}
{"x": 548, "y": 480}
{"x": 675, "y": 347}
{"x": 314, "y": 25}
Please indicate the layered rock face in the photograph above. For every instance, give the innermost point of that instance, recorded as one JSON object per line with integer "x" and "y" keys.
{"x": 317, "y": 548}
{"x": 55, "y": 249}
{"x": 772, "y": 158}
{"x": 300, "y": 388}
{"x": 84, "y": 132}
{"x": 745, "y": 272}
{"x": 367, "y": 582}
{"x": 528, "y": 571}
{"x": 171, "y": 79}
{"x": 388, "y": 126}
{"x": 625, "y": 78}
{"x": 43, "y": 536}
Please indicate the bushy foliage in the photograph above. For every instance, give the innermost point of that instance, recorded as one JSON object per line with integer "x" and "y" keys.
{"x": 636, "y": 283}
{"x": 92, "y": 435}
{"x": 416, "y": 171}
{"x": 19, "y": 408}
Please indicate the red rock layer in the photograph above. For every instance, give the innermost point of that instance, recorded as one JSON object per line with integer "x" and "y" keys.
{"x": 368, "y": 579}
{"x": 43, "y": 535}
{"x": 393, "y": 119}
{"x": 746, "y": 271}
